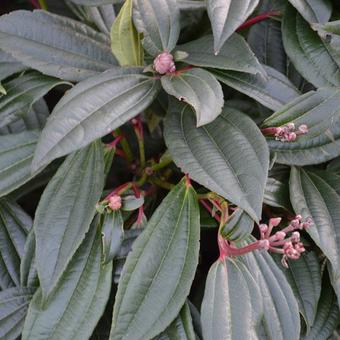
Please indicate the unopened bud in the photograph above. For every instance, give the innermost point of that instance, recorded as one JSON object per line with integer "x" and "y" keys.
{"x": 115, "y": 202}
{"x": 291, "y": 126}
{"x": 264, "y": 244}
{"x": 295, "y": 236}
{"x": 164, "y": 63}
{"x": 274, "y": 222}
{"x": 263, "y": 228}
{"x": 280, "y": 235}
{"x": 303, "y": 129}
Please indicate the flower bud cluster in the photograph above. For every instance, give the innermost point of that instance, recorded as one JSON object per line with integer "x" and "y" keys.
{"x": 164, "y": 63}
{"x": 288, "y": 132}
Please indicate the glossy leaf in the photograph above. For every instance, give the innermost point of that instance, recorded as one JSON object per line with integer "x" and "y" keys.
{"x": 238, "y": 226}
{"x": 14, "y": 227}
{"x": 328, "y": 315}
{"x": 22, "y": 93}
{"x": 65, "y": 48}
{"x": 158, "y": 21}
{"x": 74, "y": 308}
{"x": 13, "y": 308}
{"x": 65, "y": 212}
{"x": 273, "y": 92}
{"x": 92, "y": 109}
{"x": 112, "y": 235}
{"x": 281, "y": 318}
{"x": 234, "y": 55}
{"x": 181, "y": 328}
{"x": 211, "y": 155}
{"x": 16, "y": 156}
{"x": 319, "y": 110}
{"x": 125, "y": 40}
{"x": 314, "y": 10}
{"x": 304, "y": 276}
{"x": 308, "y": 52}
{"x": 317, "y": 194}
{"x": 227, "y": 311}
{"x": 158, "y": 272}
{"x": 198, "y": 88}
{"x": 226, "y": 16}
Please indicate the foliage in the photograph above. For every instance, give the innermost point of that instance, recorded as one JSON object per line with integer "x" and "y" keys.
{"x": 169, "y": 169}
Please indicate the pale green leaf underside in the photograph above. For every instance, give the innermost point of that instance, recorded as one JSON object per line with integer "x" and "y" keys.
{"x": 314, "y": 10}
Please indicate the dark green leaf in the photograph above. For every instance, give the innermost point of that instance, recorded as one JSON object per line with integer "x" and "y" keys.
{"x": 74, "y": 308}
{"x": 320, "y": 111}
{"x": 125, "y": 40}
{"x": 211, "y": 155}
{"x": 226, "y": 16}
{"x": 28, "y": 270}
{"x": 281, "y": 318}
{"x": 308, "y": 52}
{"x": 316, "y": 194}
{"x": 158, "y": 272}
{"x": 65, "y": 48}
{"x": 16, "y": 156}
{"x": 14, "y": 227}
{"x": 234, "y": 55}
{"x": 158, "y": 21}
{"x": 227, "y": 310}
{"x": 273, "y": 92}
{"x": 13, "y": 308}
{"x": 181, "y": 328}
{"x": 327, "y": 317}
{"x": 112, "y": 235}
{"x": 94, "y": 108}
{"x": 65, "y": 212}
{"x": 198, "y": 88}
{"x": 276, "y": 193}
{"x": 314, "y": 10}
{"x": 304, "y": 276}
{"x": 239, "y": 225}
{"x": 22, "y": 93}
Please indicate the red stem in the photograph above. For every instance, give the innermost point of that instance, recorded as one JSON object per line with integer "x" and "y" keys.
{"x": 209, "y": 209}
{"x": 35, "y": 4}
{"x": 259, "y": 18}
{"x": 186, "y": 68}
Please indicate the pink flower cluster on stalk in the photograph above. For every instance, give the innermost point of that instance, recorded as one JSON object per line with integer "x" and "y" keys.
{"x": 164, "y": 63}
{"x": 286, "y": 133}
{"x": 115, "y": 202}
{"x": 289, "y": 246}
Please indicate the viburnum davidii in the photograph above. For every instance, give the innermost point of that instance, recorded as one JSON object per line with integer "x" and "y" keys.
{"x": 164, "y": 63}
{"x": 289, "y": 246}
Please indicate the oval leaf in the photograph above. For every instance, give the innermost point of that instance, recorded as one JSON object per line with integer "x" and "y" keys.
{"x": 316, "y": 194}
{"x": 211, "y": 155}
{"x": 65, "y": 48}
{"x": 65, "y": 212}
{"x": 226, "y": 16}
{"x": 158, "y": 272}
{"x": 92, "y": 109}
{"x": 158, "y": 21}
{"x": 314, "y": 10}
{"x": 198, "y": 88}
{"x": 74, "y": 309}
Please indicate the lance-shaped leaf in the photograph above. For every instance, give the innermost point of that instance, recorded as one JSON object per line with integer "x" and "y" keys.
{"x": 273, "y": 91}
{"x": 65, "y": 212}
{"x": 74, "y": 308}
{"x": 304, "y": 276}
{"x": 35, "y": 119}
{"x": 22, "y": 93}
{"x": 158, "y": 21}
{"x": 159, "y": 270}
{"x": 320, "y": 111}
{"x": 102, "y": 16}
{"x": 314, "y": 10}
{"x": 227, "y": 310}
{"x": 316, "y": 194}
{"x": 92, "y": 109}
{"x": 308, "y": 51}
{"x": 276, "y": 193}
{"x": 328, "y": 315}
{"x": 226, "y": 16}
{"x": 14, "y": 227}
{"x": 16, "y": 156}
{"x": 65, "y": 48}
{"x": 181, "y": 328}
{"x": 198, "y": 88}
{"x": 228, "y": 156}
{"x": 281, "y": 319}
{"x": 28, "y": 270}
{"x": 112, "y": 235}
{"x": 234, "y": 55}
{"x": 9, "y": 65}
{"x": 125, "y": 40}
{"x": 13, "y": 308}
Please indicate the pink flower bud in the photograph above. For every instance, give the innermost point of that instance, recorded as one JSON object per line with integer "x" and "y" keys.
{"x": 115, "y": 202}
{"x": 274, "y": 222}
{"x": 291, "y": 126}
{"x": 298, "y": 217}
{"x": 264, "y": 244}
{"x": 295, "y": 236}
{"x": 303, "y": 129}
{"x": 280, "y": 235}
{"x": 291, "y": 137}
{"x": 263, "y": 228}
{"x": 164, "y": 63}
{"x": 295, "y": 224}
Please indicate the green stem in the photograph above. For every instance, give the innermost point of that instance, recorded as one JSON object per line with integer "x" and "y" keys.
{"x": 162, "y": 164}
{"x": 141, "y": 151}
{"x": 162, "y": 184}
{"x": 43, "y": 4}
